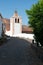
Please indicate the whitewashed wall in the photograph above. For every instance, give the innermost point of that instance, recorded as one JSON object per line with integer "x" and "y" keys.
{"x": 24, "y": 35}
{"x": 11, "y": 26}
{"x": 17, "y": 28}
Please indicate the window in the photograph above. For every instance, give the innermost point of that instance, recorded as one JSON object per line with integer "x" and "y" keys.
{"x": 15, "y": 20}
{"x": 18, "y": 20}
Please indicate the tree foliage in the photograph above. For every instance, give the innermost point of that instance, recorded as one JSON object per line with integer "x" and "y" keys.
{"x": 35, "y": 16}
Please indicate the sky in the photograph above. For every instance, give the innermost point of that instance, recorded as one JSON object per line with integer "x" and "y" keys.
{"x": 8, "y": 7}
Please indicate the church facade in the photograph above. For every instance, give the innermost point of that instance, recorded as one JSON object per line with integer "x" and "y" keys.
{"x": 15, "y": 25}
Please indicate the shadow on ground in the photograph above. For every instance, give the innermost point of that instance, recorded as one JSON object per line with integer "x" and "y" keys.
{"x": 18, "y": 51}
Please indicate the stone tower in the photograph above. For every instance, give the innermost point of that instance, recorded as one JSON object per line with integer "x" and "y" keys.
{"x": 15, "y": 24}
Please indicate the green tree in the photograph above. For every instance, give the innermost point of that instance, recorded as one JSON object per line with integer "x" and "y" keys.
{"x": 35, "y": 16}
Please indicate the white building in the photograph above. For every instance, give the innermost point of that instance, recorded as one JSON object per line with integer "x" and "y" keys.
{"x": 2, "y": 27}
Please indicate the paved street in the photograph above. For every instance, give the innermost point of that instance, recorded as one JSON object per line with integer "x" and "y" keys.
{"x": 18, "y": 52}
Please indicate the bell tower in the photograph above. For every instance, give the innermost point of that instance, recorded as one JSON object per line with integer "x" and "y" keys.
{"x": 15, "y": 24}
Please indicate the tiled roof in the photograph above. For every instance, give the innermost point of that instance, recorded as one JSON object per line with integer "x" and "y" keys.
{"x": 27, "y": 29}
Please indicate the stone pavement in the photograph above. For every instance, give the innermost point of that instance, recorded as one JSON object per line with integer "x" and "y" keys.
{"x": 18, "y": 52}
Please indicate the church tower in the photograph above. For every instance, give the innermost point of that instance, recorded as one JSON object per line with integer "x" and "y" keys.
{"x": 15, "y": 24}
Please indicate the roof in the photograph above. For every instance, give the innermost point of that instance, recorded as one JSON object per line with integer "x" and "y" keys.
{"x": 1, "y": 15}
{"x": 27, "y": 29}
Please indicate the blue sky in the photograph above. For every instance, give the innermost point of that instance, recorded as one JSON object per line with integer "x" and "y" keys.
{"x": 7, "y": 8}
